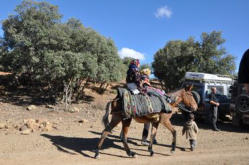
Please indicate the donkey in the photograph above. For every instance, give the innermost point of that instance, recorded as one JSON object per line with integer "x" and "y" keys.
{"x": 115, "y": 106}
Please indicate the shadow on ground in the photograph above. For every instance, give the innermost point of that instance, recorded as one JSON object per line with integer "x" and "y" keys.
{"x": 24, "y": 96}
{"x": 137, "y": 142}
{"x": 73, "y": 145}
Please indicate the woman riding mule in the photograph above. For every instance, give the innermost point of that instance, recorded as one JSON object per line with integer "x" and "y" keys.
{"x": 115, "y": 106}
{"x": 133, "y": 78}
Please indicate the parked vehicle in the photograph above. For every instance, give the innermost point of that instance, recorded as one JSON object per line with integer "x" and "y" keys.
{"x": 240, "y": 104}
{"x": 203, "y": 82}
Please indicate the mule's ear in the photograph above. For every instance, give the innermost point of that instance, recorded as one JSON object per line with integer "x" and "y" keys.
{"x": 177, "y": 100}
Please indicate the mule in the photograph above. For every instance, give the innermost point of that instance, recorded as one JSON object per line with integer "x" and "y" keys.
{"x": 115, "y": 108}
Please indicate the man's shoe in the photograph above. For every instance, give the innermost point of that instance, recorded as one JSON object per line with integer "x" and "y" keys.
{"x": 144, "y": 143}
{"x": 217, "y": 129}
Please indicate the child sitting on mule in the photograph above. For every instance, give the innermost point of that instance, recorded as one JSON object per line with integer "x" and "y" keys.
{"x": 191, "y": 130}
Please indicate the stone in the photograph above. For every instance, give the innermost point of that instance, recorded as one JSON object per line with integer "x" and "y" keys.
{"x": 31, "y": 107}
{"x": 16, "y": 126}
{"x": 54, "y": 127}
{"x": 2, "y": 125}
{"x": 83, "y": 121}
{"x": 45, "y": 123}
{"x": 41, "y": 121}
{"x": 49, "y": 106}
{"x": 74, "y": 109}
{"x": 27, "y": 121}
{"x": 47, "y": 127}
{"x": 7, "y": 126}
{"x": 26, "y": 132}
{"x": 32, "y": 124}
{"x": 22, "y": 128}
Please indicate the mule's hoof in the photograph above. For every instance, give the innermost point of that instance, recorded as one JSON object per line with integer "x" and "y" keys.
{"x": 151, "y": 153}
{"x": 96, "y": 156}
{"x": 132, "y": 154}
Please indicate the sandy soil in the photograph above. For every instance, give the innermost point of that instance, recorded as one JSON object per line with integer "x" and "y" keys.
{"x": 72, "y": 142}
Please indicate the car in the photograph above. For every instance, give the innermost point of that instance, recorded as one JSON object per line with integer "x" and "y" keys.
{"x": 203, "y": 82}
{"x": 240, "y": 104}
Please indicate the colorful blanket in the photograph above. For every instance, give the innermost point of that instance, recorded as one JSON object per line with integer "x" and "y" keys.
{"x": 141, "y": 104}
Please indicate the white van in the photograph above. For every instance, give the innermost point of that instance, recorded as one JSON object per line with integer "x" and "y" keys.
{"x": 203, "y": 83}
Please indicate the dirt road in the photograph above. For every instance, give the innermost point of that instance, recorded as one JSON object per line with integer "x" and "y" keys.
{"x": 73, "y": 142}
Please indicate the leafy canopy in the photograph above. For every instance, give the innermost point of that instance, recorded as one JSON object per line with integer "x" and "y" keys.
{"x": 177, "y": 57}
{"x": 36, "y": 44}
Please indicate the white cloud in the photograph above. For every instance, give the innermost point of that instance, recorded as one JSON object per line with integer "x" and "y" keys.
{"x": 127, "y": 52}
{"x": 163, "y": 12}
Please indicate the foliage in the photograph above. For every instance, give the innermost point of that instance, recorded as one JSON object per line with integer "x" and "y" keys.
{"x": 144, "y": 66}
{"x": 177, "y": 57}
{"x": 52, "y": 54}
{"x": 127, "y": 61}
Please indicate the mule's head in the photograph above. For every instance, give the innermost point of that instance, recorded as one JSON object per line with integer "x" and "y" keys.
{"x": 188, "y": 99}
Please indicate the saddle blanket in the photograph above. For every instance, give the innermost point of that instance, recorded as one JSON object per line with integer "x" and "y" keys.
{"x": 141, "y": 104}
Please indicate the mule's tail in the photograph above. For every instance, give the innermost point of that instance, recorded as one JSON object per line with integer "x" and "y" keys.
{"x": 107, "y": 112}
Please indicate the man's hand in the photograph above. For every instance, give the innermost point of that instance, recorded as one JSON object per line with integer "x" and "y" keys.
{"x": 214, "y": 103}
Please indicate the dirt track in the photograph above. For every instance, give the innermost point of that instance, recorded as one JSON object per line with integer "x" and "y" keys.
{"x": 72, "y": 143}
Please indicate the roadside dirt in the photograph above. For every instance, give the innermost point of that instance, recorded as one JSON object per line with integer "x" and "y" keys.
{"x": 72, "y": 136}
{"x": 75, "y": 135}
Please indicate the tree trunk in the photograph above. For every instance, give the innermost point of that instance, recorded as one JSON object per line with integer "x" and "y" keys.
{"x": 101, "y": 89}
{"x": 81, "y": 89}
{"x": 67, "y": 97}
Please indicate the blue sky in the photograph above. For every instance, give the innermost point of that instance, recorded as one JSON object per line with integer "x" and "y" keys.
{"x": 140, "y": 27}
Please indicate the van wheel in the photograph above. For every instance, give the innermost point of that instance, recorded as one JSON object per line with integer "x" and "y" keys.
{"x": 196, "y": 97}
{"x": 242, "y": 103}
{"x": 236, "y": 120}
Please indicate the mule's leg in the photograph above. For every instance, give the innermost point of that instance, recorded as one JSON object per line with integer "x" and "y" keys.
{"x": 145, "y": 134}
{"x": 125, "y": 128}
{"x": 152, "y": 137}
{"x": 165, "y": 120}
{"x": 115, "y": 120}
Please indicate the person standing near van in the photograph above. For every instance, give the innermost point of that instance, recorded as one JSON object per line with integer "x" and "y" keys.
{"x": 214, "y": 108}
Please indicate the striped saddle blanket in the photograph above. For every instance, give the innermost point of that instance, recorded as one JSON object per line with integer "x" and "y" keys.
{"x": 141, "y": 104}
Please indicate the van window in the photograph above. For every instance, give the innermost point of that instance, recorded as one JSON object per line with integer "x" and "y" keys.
{"x": 219, "y": 90}
{"x": 198, "y": 88}
{"x": 229, "y": 95}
